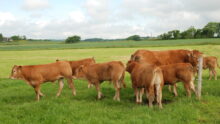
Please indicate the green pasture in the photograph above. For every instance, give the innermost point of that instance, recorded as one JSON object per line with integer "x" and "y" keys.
{"x": 40, "y": 45}
{"x": 18, "y": 105}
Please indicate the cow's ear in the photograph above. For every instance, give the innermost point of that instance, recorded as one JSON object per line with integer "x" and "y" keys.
{"x": 136, "y": 58}
{"x": 19, "y": 67}
{"x": 57, "y": 60}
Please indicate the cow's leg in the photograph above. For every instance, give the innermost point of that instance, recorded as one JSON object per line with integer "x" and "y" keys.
{"x": 97, "y": 85}
{"x": 187, "y": 88}
{"x": 141, "y": 94}
{"x": 37, "y": 91}
{"x": 170, "y": 88}
{"x": 89, "y": 84}
{"x": 60, "y": 81}
{"x": 70, "y": 82}
{"x": 214, "y": 73}
{"x": 123, "y": 83}
{"x": 175, "y": 90}
{"x": 136, "y": 92}
{"x": 192, "y": 86}
{"x": 117, "y": 90}
{"x": 210, "y": 74}
{"x": 151, "y": 96}
{"x": 41, "y": 94}
{"x": 159, "y": 95}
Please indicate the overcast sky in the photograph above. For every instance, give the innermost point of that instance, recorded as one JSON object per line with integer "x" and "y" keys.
{"x": 57, "y": 19}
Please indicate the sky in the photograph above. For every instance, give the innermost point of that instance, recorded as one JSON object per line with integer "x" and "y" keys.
{"x": 58, "y": 19}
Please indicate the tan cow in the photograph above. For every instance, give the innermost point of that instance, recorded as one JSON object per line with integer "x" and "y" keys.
{"x": 146, "y": 77}
{"x": 97, "y": 73}
{"x": 35, "y": 75}
{"x": 179, "y": 72}
{"x": 78, "y": 63}
{"x": 211, "y": 63}
{"x": 166, "y": 57}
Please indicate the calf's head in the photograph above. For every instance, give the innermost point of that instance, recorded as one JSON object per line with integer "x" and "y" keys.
{"x": 80, "y": 71}
{"x": 16, "y": 72}
{"x": 130, "y": 65}
{"x": 194, "y": 56}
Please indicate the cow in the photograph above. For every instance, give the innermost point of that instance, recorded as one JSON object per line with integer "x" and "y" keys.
{"x": 78, "y": 63}
{"x": 211, "y": 63}
{"x": 167, "y": 57}
{"x": 146, "y": 77}
{"x": 113, "y": 71}
{"x": 179, "y": 72}
{"x": 35, "y": 75}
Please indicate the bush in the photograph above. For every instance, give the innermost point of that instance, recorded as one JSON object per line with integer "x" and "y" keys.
{"x": 73, "y": 39}
{"x": 134, "y": 37}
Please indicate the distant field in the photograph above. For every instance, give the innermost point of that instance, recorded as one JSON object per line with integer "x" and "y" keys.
{"x": 35, "y": 45}
{"x": 18, "y": 105}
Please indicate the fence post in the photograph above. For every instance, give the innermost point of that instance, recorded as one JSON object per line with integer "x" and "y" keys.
{"x": 199, "y": 86}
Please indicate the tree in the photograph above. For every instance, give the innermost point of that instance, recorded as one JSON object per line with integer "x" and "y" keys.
{"x": 15, "y": 38}
{"x": 134, "y": 37}
{"x": 198, "y": 33}
{"x": 73, "y": 39}
{"x": 1, "y": 37}
{"x": 174, "y": 34}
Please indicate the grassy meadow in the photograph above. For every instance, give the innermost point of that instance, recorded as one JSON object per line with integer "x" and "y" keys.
{"x": 18, "y": 105}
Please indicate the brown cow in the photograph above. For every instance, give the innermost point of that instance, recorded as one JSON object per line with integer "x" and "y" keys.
{"x": 180, "y": 72}
{"x": 78, "y": 63}
{"x": 211, "y": 63}
{"x": 97, "y": 73}
{"x": 166, "y": 57}
{"x": 146, "y": 77}
{"x": 35, "y": 75}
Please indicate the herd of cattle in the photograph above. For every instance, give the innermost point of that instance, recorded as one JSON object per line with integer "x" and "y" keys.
{"x": 149, "y": 70}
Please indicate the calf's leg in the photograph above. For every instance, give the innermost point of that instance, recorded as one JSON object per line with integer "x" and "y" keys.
{"x": 151, "y": 96}
{"x": 136, "y": 92}
{"x": 210, "y": 74}
{"x": 117, "y": 90}
{"x": 97, "y": 85}
{"x": 37, "y": 91}
{"x": 60, "y": 81}
{"x": 70, "y": 82}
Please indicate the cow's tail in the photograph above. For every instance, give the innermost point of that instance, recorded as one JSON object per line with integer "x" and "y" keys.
{"x": 122, "y": 79}
{"x": 157, "y": 81}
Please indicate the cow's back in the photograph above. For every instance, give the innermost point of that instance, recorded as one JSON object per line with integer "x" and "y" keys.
{"x": 47, "y": 72}
{"x": 161, "y": 57}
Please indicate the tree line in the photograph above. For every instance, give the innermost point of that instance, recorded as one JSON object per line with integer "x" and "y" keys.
{"x": 12, "y": 38}
{"x": 210, "y": 30}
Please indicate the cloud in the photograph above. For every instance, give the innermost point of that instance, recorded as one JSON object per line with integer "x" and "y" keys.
{"x": 6, "y": 17}
{"x": 77, "y": 16}
{"x": 112, "y": 18}
{"x": 33, "y": 5}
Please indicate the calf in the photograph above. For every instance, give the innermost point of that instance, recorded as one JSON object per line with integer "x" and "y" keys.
{"x": 97, "y": 73}
{"x": 183, "y": 72}
{"x": 211, "y": 63}
{"x": 76, "y": 64}
{"x": 146, "y": 77}
{"x": 35, "y": 75}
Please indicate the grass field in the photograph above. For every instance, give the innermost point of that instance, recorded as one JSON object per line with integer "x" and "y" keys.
{"x": 18, "y": 105}
{"x": 35, "y": 45}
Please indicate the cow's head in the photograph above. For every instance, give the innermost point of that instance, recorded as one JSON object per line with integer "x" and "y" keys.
{"x": 130, "y": 66}
{"x": 135, "y": 58}
{"x": 194, "y": 56}
{"x": 16, "y": 72}
{"x": 80, "y": 71}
